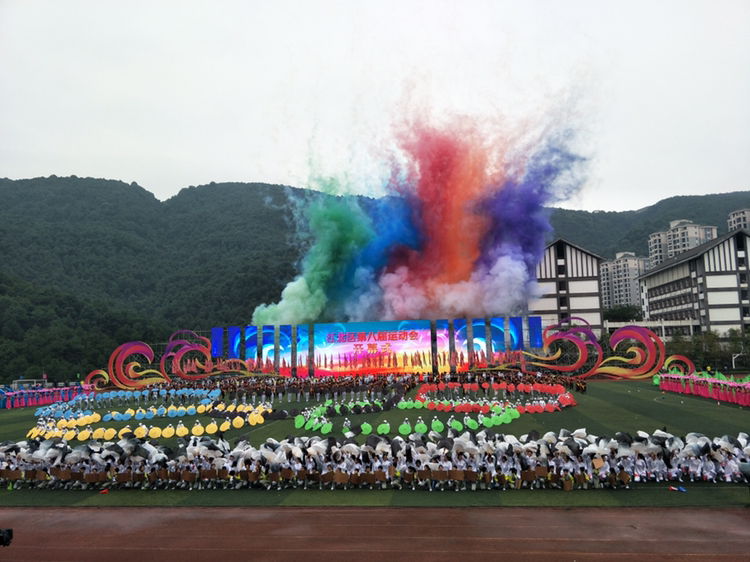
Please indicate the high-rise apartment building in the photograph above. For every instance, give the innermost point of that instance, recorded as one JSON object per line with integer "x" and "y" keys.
{"x": 619, "y": 280}
{"x": 739, "y": 219}
{"x": 681, "y": 236}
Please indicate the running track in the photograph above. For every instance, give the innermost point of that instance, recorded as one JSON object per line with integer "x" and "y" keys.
{"x": 373, "y": 534}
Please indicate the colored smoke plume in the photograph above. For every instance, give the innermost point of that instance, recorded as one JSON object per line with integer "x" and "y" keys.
{"x": 458, "y": 234}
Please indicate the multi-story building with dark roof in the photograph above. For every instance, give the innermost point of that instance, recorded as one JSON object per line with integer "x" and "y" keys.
{"x": 568, "y": 277}
{"x": 704, "y": 288}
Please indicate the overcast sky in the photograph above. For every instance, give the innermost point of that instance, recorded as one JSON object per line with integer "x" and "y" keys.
{"x": 173, "y": 94}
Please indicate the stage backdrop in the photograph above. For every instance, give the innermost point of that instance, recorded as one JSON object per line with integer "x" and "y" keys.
{"x": 569, "y": 347}
{"x": 373, "y": 347}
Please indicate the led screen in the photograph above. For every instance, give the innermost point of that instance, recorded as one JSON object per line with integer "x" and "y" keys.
{"x": 303, "y": 349}
{"x": 373, "y": 347}
{"x": 443, "y": 347}
{"x": 535, "y": 331}
{"x": 217, "y": 342}
{"x": 251, "y": 347}
{"x": 235, "y": 338}
{"x": 285, "y": 350}
{"x": 516, "y": 333}
{"x": 268, "y": 349}
{"x": 478, "y": 342}
{"x": 461, "y": 344}
{"x": 497, "y": 336}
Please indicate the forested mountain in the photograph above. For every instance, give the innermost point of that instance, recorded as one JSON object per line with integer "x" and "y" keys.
{"x": 606, "y": 233}
{"x": 43, "y": 331}
{"x": 207, "y": 255}
{"x": 88, "y": 264}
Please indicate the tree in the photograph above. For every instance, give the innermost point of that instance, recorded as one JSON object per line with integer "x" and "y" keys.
{"x": 678, "y": 345}
{"x": 623, "y": 313}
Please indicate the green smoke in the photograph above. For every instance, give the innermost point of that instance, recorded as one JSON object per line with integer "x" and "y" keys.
{"x": 339, "y": 229}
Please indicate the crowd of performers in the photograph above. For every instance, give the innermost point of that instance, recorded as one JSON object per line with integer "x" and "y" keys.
{"x": 358, "y": 387}
{"x": 520, "y": 388}
{"x": 39, "y": 396}
{"x": 722, "y": 390}
{"x": 456, "y": 460}
{"x": 482, "y": 460}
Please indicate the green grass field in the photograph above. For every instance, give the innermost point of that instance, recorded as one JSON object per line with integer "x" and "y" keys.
{"x": 607, "y": 408}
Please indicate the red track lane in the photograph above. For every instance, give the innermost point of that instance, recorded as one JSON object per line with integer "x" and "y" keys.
{"x": 373, "y": 534}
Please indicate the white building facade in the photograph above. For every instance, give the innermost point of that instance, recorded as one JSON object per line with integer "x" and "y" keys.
{"x": 568, "y": 277}
{"x": 705, "y": 288}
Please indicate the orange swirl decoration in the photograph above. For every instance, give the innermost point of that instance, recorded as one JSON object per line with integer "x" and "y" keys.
{"x": 645, "y": 357}
{"x": 679, "y": 363}
{"x": 581, "y": 336}
{"x": 178, "y": 347}
{"x": 642, "y": 362}
{"x": 127, "y": 376}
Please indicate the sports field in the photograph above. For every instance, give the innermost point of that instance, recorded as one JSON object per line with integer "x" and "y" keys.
{"x": 608, "y": 407}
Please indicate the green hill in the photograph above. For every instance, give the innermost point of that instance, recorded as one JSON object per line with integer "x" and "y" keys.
{"x": 208, "y": 256}
{"x": 606, "y": 233}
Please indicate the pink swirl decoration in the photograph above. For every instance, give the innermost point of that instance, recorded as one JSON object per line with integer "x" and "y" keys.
{"x": 679, "y": 363}
{"x": 130, "y": 375}
{"x": 582, "y": 338}
{"x": 176, "y": 356}
{"x": 642, "y": 362}
{"x": 127, "y": 376}
{"x": 645, "y": 357}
